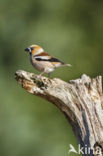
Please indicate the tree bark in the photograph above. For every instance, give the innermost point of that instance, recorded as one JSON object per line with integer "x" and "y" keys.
{"x": 81, "y": 100}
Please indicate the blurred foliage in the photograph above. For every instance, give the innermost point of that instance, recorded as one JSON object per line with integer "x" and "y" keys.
{"x": 70, "y": 30}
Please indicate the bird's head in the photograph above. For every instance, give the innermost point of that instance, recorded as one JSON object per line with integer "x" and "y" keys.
{"x": 34, "y": 49}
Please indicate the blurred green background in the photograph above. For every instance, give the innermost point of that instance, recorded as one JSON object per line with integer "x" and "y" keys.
{"x": 69, "y": 30}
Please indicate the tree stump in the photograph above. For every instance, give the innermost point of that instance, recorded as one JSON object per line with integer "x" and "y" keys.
{"x": 81, "y": 101}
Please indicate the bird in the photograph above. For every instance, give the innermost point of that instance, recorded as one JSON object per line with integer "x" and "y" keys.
{"x": 42, "y": 61}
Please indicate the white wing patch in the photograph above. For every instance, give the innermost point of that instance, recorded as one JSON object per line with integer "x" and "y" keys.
{"x": 42, "y": 57}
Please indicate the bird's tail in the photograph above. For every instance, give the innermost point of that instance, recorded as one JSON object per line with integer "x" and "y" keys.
{"x": 69, "y": 65}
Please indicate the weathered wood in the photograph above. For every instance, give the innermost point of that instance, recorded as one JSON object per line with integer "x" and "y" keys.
{"x": 80, "y": 100}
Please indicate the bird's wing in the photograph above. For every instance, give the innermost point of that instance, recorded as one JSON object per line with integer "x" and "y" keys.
{"x": 55, "y": 60}
{"x": 46, "y": 58}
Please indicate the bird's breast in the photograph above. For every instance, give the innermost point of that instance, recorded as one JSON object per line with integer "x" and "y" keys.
{"x": 36, "y": 64}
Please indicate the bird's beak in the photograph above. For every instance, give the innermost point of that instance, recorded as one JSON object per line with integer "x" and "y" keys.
{"x": 28, "y": 49}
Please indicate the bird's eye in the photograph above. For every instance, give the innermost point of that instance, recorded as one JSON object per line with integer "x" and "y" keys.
{"x": 32, "y": 48}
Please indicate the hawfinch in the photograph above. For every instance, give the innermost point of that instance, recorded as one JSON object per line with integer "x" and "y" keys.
{"x": 42, "y": 61}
